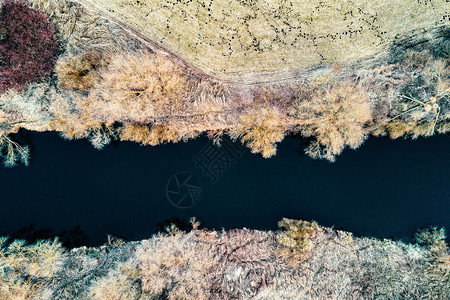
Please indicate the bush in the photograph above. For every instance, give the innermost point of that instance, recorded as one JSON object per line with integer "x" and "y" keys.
{"x": 12, "y": 152}
{"x": 28, "y": 46}
{"x": 432, "y": 237}
{"x": 70, "y": 116}
{"x": 172, "y": 265}
{"x": 261, "y": 128}
{"x": 296, "y": 240}
{"x": 122, "y": 283}
{"x": 155, "y": 134}
{"x": 335, "y": 117}
{"x": 423, "y": 107}
{"x": 79, "y": 71}
{"x": 139, "y": 88}
{"x": 25, "y": 109}
{"x": 25, "y": 268}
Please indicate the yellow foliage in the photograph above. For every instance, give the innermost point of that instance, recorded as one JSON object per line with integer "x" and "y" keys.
{"x": 260, "y": 128}
{"x": 139, "y": 87}
{"x": 70, "y": 116}
{"x": 134, "y": 133}
{"x": 23, "y": 268}
{"x": 336, "y": 117}
{"x": 79, "y": 71}
{"x": 296, "y": 240}
{"x": 397, "y": 128}
{"x": 154, "y": 134}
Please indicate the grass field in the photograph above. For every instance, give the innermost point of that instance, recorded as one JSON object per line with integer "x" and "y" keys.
{"x": 231, "y": 37}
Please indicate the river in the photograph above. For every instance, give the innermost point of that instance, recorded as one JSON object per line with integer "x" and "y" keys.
{"x": 386, "y": 188}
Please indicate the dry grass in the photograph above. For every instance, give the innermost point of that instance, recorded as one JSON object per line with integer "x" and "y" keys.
{"x": 234, "y": 37}
{"x": 170, "y": 264}
{"x": 81, "y": 29}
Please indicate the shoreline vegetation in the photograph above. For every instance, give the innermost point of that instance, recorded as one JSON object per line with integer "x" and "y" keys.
{"x": 301, "y": 260}
{"x": 108, "y": 83}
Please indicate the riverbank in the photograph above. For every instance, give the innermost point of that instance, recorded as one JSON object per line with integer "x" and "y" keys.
{"x": 301, "y": 260}
{"x": 109, "y": 83}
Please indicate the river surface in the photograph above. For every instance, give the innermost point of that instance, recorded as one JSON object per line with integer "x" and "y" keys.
{"x": 386, "y": 188}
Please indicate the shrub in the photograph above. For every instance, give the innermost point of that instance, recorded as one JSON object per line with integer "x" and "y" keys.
{"x": 439, "y": 270}
{"x": 423, "y": 107}
{"x": 335, "y": 117}
{"x": 170, "y": 264}
{"x": 296, "y": 240}
{"x": 28, "y": 46}
{"x": 122, "y": 283}
{"x": 432, "y": 237}
{"x": 79, "y": 71}
{"x": 12, "y": 152}
{"x": 139, "y": 87}
{"x": 261, "y": 128}
{"x": 71, "y": 117}
{"x": 25, "y": 268}
{"x": 154, "y": 134}
{"x": 25, "y": 109}
{"x": 398, "y": 128}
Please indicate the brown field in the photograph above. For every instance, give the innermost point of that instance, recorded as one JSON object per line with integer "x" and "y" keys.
{"x": 232, "y": 37}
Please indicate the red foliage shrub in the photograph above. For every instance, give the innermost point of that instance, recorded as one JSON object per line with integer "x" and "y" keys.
{"x": 28, "y": 45}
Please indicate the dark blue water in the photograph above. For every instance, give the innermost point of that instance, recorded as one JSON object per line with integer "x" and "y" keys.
{"x": 386, "y": 188}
